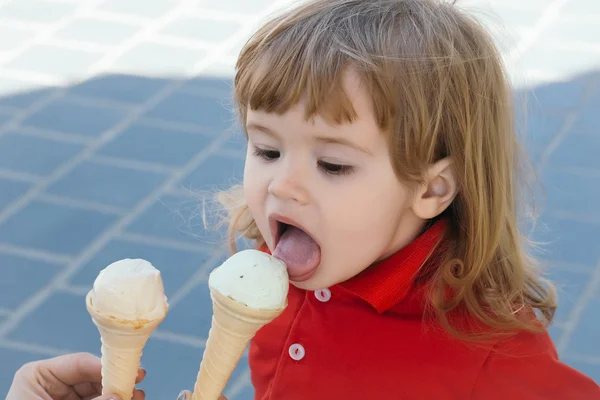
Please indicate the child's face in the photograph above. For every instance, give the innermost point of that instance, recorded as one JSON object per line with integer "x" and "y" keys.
{"x": 335, "y": 181}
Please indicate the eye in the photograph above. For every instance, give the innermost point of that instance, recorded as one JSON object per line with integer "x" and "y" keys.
{"x": 268, "y": 155}
{"x": 335, "y": 169}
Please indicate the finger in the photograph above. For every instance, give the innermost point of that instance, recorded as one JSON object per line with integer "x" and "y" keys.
{"x": 97, "y": 386}
{"x": 141, "y": 375}
{"x": 75, "y": 368}
{"x": 88, "y": 390}
{"x": 139, "y": 394}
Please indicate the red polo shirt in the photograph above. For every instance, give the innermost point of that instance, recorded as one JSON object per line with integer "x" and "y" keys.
{"x": 365, "y": 339}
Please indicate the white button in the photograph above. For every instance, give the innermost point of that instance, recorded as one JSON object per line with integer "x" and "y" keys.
{"x": 297, "y": 352}
{"x": 323, "y": 295}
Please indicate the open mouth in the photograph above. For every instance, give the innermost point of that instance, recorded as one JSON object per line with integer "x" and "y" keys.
{"x": 279, "y": 225}
{"x": 295, "y": 247}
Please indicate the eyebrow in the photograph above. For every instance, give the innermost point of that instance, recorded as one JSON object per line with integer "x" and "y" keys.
{"x": 320, "y": 139}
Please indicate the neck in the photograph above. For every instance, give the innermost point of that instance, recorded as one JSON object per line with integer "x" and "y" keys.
{"x": 409, "y": 227}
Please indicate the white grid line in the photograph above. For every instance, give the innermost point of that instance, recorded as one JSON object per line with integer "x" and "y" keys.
{"x": 101, "y": 64}
{"x": 19, "y": 176}
{"x": 567, "y": 266}
{"x": 32, "y": 77}
{"x": 579, "y": 19}
{"x": 229, "y": 59}
{"x": 230, "y": 153}
{"x": 76, "y": 290}
{"x": 517, "y": 6}
{"x": 93, "y": 145}
{"x": 540, "y": 75}
{"x": 16, "y": 23}
{"x": 558, "y": 324}
{"x": 98, "y": 102}
{"x": 568, "y": 122}
{"x": 242, "y": 382}
{"x": 126, "y": 19}
{"x": 43, "y": 34}
{"x": 201, "y": 14}
{"x": 49, "y": 351}
{"x": 570, "y": 215}
{"x": 181, "y": 192}
{"x": 587, "y": 172}
{"x": 5, "y": 2}
{"x": 132, "y": 164}
{"x": 174, "y": 125}
{"x": 151, "y": 166}
{"x": 7, "y": 109}
{"x": 585, "y": 297}
{"x": 592, "y": 47}
{"x": 38, "y": 298}
{"x": 78, "y": 45}
{"x": 217, "y": 94}
{"x": 200, "y": 276}
{"x": 58, "y": 281}
{"x": 529, "y": 39}
{"x": 38, "y": 350}
{"x": 182, "y": 42}
{"x": 178, "y": 338}
{"x": 80, "y": 204}
{"x": 43, "y": 133}
{"x": 199, "y": 247}
{"x": 139, "y": 37}
{"x": 36, "y": 254}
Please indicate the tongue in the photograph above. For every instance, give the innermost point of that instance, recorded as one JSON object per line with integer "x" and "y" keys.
{"x": 299, "y": 252}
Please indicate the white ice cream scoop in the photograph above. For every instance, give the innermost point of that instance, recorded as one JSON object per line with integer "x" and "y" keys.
{"x": 129, "y": 289}
{"x": 127, "y": 303}
{"x": 252, "y": 278}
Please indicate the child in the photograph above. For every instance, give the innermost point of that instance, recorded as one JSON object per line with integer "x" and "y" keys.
{"x": 384, "y": 169}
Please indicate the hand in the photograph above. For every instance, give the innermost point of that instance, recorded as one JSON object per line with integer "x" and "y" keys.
{"x": 187, "y": 395}
{"x": 70, "y": 377}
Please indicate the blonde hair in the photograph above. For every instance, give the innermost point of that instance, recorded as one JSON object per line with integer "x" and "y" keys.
{"x": 439, "y": 90}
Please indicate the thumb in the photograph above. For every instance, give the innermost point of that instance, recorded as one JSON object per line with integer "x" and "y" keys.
{"x": 108, "y": 397}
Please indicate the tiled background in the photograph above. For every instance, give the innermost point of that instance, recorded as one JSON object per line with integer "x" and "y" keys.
{"x": 114, "y": 114}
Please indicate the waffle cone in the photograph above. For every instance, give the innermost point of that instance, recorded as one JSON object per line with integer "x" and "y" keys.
{"x": 233, "y": 325}
{"x": 122, "y": 345}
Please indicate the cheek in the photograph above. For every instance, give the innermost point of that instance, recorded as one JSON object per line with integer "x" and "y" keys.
{"x": 368, "y": 215}
{"x": 252, "y": 187}
{"x": 255, "y": 192}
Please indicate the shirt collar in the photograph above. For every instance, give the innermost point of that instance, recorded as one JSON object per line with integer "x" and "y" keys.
{"x": 387, "y": 282}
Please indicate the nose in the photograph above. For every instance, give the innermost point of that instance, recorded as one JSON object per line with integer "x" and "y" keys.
{"x": 290, "y": 184}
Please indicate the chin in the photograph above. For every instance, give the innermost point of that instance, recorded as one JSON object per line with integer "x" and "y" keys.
{"x": 316, "y": 282}
{"x": 306, "y": 285}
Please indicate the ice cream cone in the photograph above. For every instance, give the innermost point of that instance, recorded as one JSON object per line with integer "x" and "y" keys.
{"x": 233, "y": 325}
{"x": 122, "y": 345}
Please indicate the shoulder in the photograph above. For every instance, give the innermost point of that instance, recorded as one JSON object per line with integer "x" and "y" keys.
{"x": 527, "y": 366}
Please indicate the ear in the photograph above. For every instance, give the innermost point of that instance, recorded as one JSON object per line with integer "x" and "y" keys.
{"x": 438, "y": 191}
